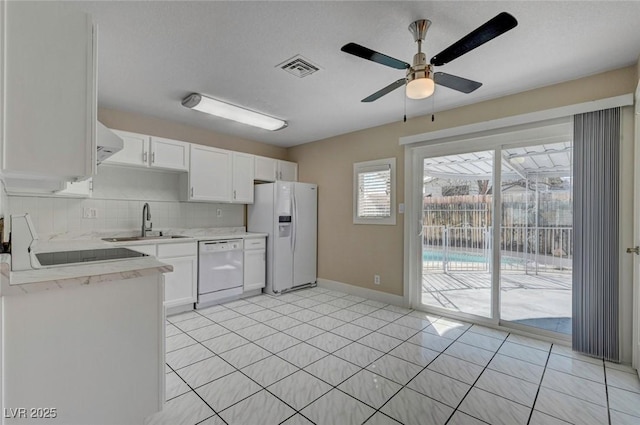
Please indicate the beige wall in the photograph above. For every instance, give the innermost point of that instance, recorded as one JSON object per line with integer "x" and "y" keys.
{"x": 347, "y": 252}
{"x": 144, "y": 124}
{"x": 351, "y": 253}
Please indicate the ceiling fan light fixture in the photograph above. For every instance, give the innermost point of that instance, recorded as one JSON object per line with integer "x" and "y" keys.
{"x": 420, "y": 88}
{"x": 420, "y": 84}
{"x": 231, "y": 112}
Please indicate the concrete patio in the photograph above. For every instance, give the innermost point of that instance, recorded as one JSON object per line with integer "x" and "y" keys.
{"x": 542, "y": 300}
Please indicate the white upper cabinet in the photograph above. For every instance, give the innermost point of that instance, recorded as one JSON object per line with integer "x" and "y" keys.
{"x": 287, "y": 171}
{"x": 140, "y": 150}
{"x": 209, "y": 174}
{"x": 265, "y": 169}
{"x": 169, "y": 154}
{"x": 30, "y": 187}
{"x": 135, "y": 150}
{"x": 48, "y": 103}
{"x": 81, "y": 189}
{"x": 243, "y": 170}
{"x": 218, "y": 175}
{"x": 270, "y": 170}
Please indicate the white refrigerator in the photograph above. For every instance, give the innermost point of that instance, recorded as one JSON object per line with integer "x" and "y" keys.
{"x": 288, "y": 213}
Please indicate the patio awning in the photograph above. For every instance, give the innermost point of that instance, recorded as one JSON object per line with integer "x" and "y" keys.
{"x": 548, "y": 160}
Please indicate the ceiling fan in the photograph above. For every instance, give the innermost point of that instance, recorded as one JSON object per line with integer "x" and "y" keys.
{"x": 420, "y": 79}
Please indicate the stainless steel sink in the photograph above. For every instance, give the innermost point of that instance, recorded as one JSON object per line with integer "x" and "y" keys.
{"x": 143, "y": 238}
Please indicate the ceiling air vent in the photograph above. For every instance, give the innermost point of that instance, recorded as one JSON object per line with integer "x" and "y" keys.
{"x": 299, "y": 66}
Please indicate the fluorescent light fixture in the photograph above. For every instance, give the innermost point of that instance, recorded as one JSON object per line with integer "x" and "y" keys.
{"x": 231, "y": 112}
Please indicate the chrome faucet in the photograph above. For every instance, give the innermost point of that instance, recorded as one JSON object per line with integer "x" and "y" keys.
{"x": 146, "y": 217}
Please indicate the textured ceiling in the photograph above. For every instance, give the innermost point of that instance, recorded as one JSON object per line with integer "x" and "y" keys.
{"x": 154, "y": 53}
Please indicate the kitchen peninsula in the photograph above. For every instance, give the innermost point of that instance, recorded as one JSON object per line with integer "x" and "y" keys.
{"x": 72, "y": 335}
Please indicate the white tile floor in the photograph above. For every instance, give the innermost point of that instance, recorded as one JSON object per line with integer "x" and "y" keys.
{"x": 323, "y": 357}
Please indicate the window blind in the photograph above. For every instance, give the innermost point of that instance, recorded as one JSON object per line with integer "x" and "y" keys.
{"x": 374, "y": 192}
{"x": 596, "y": 227}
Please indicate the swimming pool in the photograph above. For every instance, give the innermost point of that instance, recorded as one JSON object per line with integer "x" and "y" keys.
{"x": 464, "y": 257}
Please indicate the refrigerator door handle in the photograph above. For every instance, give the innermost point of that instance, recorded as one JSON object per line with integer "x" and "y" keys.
{"x": 294, "y": 225}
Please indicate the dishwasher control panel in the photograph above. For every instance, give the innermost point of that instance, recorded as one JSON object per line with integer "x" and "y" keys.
{"x": 219, "y": 246}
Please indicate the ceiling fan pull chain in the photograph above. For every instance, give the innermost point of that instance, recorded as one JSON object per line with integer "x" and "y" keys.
{"x": 433, "y": 108}
{"x": 405, "y": 108}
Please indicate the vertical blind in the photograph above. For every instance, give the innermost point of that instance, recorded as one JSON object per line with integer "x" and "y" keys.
{"x": 596, "y": 162}
{"x": 374, "y": 192}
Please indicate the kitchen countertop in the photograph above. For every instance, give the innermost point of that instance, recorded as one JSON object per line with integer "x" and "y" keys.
{"x": 202, "y": 237}
{"x": 21, "y": 282}
{"x": 29, "y": 281}
{"x": 86, "y": 240}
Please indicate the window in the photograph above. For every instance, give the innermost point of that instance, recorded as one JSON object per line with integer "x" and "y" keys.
{"x": 374, "y": 192}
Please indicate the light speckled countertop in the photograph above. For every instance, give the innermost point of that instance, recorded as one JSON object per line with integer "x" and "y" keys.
{"x": 21, "y": 282}
{"x": 29, "y": 281}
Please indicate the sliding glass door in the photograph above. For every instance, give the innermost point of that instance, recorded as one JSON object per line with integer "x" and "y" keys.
{"x": 456, "y": 220}
{"x": 536, "y": 236}
{"x": 496, "y": 234}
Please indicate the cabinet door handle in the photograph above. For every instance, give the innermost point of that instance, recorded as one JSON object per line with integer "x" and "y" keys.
{"x": 144, "y": 156}
{"x": 153, "y": 157}
{"x": 192, "y": 192}
{"x": 234, "y": 194}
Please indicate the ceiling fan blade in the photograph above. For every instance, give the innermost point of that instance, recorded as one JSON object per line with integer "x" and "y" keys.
{"x": 366, "y": 53}
{"x": 456, "y": 83}
{"x": 391, "y": 87}
{"x": 491, "y": 29}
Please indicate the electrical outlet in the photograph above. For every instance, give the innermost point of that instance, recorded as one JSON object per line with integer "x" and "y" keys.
{"x": 376, "y": 279}
{"x": 90, "y": 213}
{"x": 219, "y": 213}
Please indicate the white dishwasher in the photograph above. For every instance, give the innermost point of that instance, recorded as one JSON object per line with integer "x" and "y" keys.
{"x": 220, "y": 271}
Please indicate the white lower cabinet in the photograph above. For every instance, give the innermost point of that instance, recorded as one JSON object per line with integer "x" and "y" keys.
{"x": 180, "y": 285}
{"x": 255, "y": 264}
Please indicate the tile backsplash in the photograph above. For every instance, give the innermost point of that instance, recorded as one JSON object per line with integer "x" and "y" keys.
{"x": 118, "y": 196}
{"x": 55, "y": 216}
